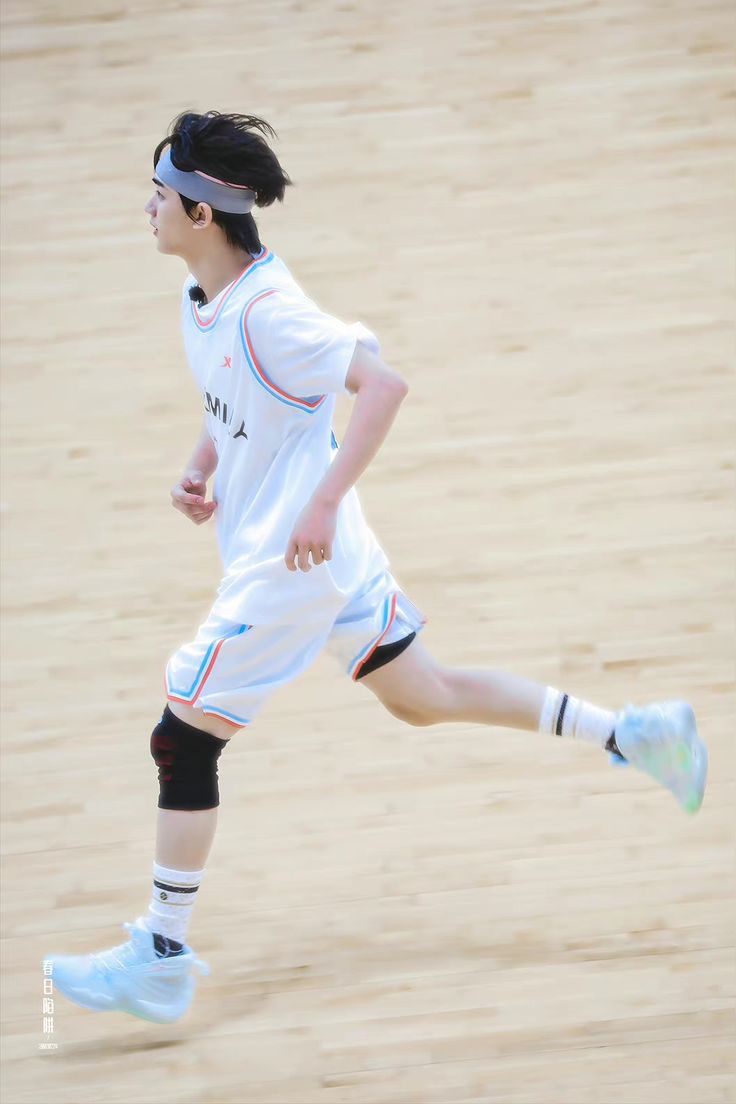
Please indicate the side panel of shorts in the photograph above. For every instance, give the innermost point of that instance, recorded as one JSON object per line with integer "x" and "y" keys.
{"x": 379, "y": 614}
{"x": 230, "y": 670}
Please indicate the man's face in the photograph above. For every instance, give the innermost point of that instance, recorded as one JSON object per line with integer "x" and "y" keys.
{"x": 172, "y": 225}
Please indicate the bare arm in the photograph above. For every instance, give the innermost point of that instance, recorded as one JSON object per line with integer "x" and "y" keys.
{"x": 188, "y": 495}
{"x": 379, "y": 393}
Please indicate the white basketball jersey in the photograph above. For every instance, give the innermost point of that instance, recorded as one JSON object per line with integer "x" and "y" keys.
{"x": 269, "y": 364}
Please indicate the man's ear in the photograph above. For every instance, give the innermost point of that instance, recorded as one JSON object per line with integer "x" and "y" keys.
{"x": 202, "y": 215}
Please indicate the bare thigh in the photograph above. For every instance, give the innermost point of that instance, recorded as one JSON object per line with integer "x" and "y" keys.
{"x": 204, "y": 721}
{"x": 414, "y": 686}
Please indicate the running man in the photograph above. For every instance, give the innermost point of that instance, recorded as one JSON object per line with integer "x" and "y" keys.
{"x": 302, "y": 571}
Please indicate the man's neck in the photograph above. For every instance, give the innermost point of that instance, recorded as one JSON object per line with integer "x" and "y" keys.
{"x": 218, "y": 268}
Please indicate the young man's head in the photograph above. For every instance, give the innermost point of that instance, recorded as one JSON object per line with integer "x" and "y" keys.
{"x": 209, "y": 172}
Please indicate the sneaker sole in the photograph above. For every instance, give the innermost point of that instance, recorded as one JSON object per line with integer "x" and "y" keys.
{"x": 61, "y": 988}
{"x": 691, "y": 756}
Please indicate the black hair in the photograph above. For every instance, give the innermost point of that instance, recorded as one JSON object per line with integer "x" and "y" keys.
{"x": 232, "y": 148}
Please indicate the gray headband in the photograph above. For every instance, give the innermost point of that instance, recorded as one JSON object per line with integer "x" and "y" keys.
{"x": 235, "y": 199}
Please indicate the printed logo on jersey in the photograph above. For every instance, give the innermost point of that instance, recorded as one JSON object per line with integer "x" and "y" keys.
{"x": 218, "y": 408}
{"x": 227, "y": 362}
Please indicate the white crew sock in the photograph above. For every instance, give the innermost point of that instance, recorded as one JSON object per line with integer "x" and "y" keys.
{"x": 563, "y": 715}
{"x": 172, "y": 900}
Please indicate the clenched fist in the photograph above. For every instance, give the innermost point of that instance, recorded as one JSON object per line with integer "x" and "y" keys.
{"x": 189, "y": 496}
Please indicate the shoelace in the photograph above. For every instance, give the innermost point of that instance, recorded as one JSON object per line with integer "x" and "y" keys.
{"x": 651, "y": 729}
{"x": 116, "y": 956}
{"x": 121, "y": 955}
{"x": 641, "y": 729}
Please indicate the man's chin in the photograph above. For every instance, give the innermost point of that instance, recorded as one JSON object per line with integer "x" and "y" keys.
{"x": 169, "y": 250}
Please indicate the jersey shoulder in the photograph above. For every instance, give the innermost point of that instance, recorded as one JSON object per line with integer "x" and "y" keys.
{"x": 267, "y": 274}
{"x": 270, "y": 294}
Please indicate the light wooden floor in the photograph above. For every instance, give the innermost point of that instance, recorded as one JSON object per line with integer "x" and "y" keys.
{"x": 531, "y": 204}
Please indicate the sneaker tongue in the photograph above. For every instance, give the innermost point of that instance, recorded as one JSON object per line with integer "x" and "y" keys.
{"x": 140, "y": 934}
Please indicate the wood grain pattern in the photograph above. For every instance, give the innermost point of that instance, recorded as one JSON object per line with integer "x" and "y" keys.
{"x": 531, "y": 204}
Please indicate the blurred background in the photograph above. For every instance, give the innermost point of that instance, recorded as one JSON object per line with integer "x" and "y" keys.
{"x": 531, "y": 205}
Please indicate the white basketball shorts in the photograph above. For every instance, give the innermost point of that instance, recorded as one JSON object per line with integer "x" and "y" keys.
{"x": 230, "y": 670}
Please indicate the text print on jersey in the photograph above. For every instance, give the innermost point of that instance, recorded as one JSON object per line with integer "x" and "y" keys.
{"x": 218, "y": 409}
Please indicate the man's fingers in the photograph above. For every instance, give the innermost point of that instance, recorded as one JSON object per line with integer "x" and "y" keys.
{"x": 302, "y": 552}
{"x": 181, "y": 496}
{"x": 304, "y": 564}
{"x": 196, "y": 486}
{"x": 291, "y": 552}
{"x": 195, "y": 511}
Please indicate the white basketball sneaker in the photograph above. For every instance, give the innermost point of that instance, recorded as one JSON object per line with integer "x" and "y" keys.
{"x": 662, "y": 740}
{"x": 129, "y": 978}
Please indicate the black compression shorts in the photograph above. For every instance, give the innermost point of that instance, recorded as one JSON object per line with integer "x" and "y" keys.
{"x": 384, "y": 653}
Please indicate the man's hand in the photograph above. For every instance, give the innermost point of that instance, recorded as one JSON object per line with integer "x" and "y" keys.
{"x": 188, "y": 496}
{"x": 313, "y": 533}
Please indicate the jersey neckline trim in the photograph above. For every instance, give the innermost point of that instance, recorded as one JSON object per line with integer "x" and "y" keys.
{"x": 205, "y": 324}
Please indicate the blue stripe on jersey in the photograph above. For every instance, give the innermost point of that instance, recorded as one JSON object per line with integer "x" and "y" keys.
{"x": 224, "y": 713}
{"x": 190, "y": 692}
{"x": 260, "y": 376}
{"x": 386, "y": 618}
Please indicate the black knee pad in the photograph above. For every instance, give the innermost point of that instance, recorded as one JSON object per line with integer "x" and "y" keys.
{"x": 186, "y": 759}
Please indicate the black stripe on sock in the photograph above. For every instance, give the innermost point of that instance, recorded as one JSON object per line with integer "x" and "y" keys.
{"x": 174, "y": 888}
{"x": 612, "y": 746}
{"x": 561, "y": 716}
{"x": 165, "y": 947}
